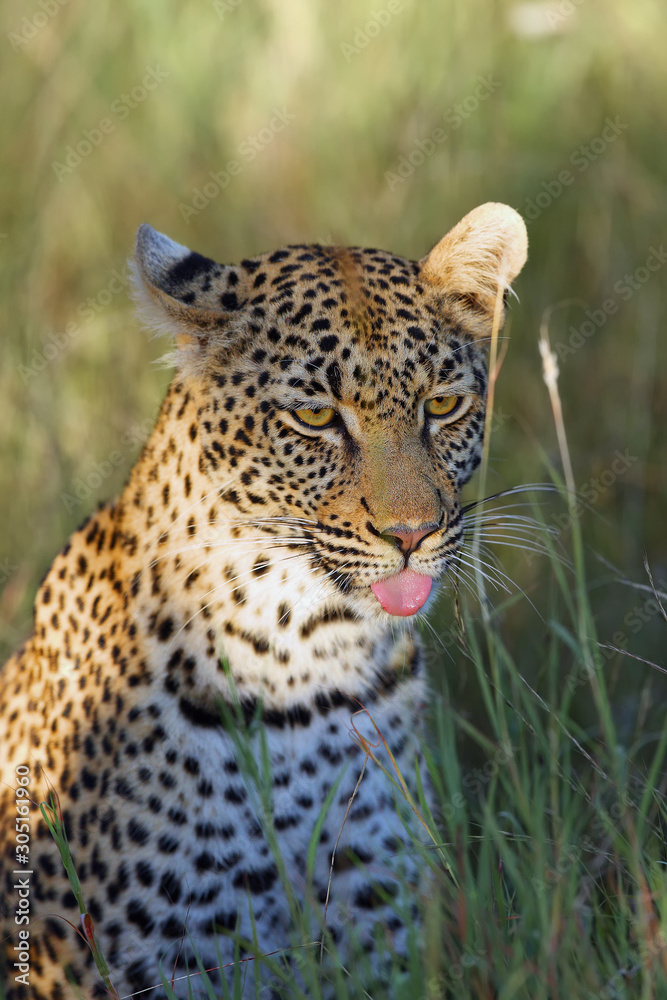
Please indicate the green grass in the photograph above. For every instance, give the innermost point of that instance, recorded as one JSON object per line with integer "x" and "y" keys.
{"x": 557, "y": 852}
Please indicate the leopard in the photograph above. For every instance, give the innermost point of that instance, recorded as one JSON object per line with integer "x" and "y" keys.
{"x": 260, "y": 578}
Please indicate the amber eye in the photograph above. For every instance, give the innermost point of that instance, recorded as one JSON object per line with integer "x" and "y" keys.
{"x": 440, "y": 406}
{"x": 316, "y": 418}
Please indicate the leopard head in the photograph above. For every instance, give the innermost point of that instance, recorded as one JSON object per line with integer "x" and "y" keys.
{"x": 341, "y": 392}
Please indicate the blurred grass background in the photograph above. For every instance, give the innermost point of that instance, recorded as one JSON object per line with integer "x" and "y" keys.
{"x": 522, "y": 92}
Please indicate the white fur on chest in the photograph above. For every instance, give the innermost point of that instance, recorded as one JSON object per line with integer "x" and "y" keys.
{"x": 285, "y": 632}
{"x": 227, "y": 859}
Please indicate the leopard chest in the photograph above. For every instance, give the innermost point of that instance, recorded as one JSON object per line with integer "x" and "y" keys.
{"x": 217, "y": 817}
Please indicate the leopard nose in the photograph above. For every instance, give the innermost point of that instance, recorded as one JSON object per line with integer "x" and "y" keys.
{"x": 409, "y": 539}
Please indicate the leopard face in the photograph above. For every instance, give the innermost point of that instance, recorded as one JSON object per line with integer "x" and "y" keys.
{"x": 341, "y": 393}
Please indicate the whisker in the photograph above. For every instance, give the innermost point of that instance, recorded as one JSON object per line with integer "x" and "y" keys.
{"x": 497, "y": 527}
{"x": 523, "y": 544}
{"x": 235, "y": 521}
{"x": 502, "y": 579}
{"x": 492, "y": 576}
{"x": 515, "y": 537}
{"x": 490, "y": 553}
{"x": 492, "y": 515}
{"x": 513, "y": 491}
{"x": 468, "y": 580}
{"x": 423, "y": 619}
{"x": 278, "y": 543}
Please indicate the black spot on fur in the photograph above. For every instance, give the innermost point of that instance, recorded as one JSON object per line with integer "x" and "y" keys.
{"x": 187, "y": 270}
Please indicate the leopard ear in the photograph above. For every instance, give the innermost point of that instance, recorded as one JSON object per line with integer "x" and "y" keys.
{"x": 484, "y": 252}
{"x": 181, "y": 293}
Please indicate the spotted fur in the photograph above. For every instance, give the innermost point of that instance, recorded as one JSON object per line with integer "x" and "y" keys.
{"x": 235, "y": 569}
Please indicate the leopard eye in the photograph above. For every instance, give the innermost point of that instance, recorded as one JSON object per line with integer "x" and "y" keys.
{"x": 316, "y": 418}
{"x": 441, "y": 406}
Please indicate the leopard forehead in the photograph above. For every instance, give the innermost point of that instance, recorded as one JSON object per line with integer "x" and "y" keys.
{"x": 321, "y": 292}
{"x": 331, "y": 324}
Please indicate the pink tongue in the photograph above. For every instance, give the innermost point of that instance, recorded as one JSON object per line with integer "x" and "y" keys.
{"x": 404, "y": 593}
